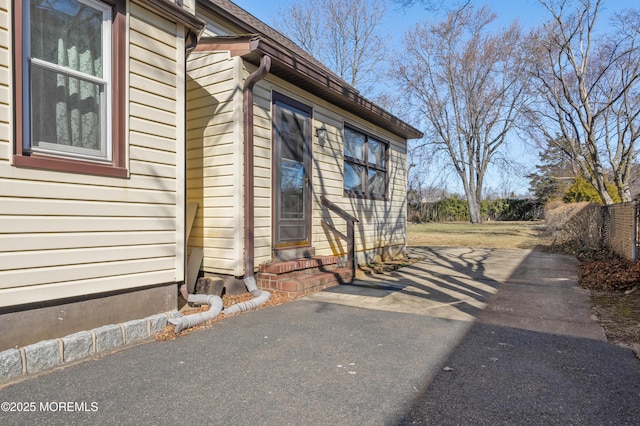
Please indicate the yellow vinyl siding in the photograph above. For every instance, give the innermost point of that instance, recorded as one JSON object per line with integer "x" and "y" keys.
{"x": 4, "y": 25}
{"x": 149, "y": 71}
{"x": 66, "y": 234}
{"x": 64, "y": 282}
{"x": 81, "y": 256}
{"x": 32, "y": 183}
{"x": 147, "y": 98}
{"x": 83, "y": 275}
{"x": 157, "y": 105}
{"x": 74, "y": 208}
{"x": 262, "y": 171}
{"x": 189, "y": 5}
{"x": 4, "y": 143}
{"x": 52, "y": 241}
{"x": 214, "y": 160}
{"x": 151, "y": 87}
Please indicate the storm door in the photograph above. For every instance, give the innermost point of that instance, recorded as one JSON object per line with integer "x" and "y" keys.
{"x": 291, "y": 172}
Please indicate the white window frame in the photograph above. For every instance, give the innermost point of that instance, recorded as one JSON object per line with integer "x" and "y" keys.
{"x": 105, "y": 154}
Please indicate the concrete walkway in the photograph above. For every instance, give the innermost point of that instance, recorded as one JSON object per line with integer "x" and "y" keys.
{"x": 467, "y": 336}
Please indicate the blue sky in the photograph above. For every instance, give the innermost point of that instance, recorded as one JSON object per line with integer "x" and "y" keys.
{"x": 528, "y": 12}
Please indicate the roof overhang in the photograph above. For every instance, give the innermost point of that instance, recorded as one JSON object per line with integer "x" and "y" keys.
{"x": 307, "y": 75}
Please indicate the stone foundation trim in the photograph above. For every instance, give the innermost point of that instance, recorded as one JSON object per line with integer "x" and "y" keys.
{"x": 48, "y": 354}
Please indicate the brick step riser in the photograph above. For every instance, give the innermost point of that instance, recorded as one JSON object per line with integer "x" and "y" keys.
{"x": 302, "y": 272}
{"x": 302, "y": 285}
{"x": 300, "y": 266}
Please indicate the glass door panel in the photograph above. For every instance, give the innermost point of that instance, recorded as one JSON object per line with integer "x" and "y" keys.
{"x": 291, "y": 173}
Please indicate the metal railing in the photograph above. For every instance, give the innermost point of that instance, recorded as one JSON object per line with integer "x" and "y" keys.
{"x": 349, "y": 238}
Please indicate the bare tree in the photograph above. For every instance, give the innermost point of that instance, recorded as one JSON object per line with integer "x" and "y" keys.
{"x": 342, "y": 34}
{"x": 468, "y": 86}
{"x": 434, "y": 4}
{"x": 587, "y": 88}
{"x": 622, "y": 122}
{"x": 299, "y": 21}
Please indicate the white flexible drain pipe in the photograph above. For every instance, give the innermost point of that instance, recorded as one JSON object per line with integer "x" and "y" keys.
{"x": 259, "y": 297}
{"x": 187, "y": 321}
{"x": 184, "y": 322}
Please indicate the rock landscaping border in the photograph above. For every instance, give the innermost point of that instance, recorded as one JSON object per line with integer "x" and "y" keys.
{"x": 48, "y": 354}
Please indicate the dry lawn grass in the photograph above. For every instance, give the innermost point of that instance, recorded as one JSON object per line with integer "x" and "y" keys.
{"x": 486, "y": 235}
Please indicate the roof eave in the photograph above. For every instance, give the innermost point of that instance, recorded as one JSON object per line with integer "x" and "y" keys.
{"x": 308, "y": 76}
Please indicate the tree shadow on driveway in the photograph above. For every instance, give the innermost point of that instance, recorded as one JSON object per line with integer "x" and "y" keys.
{"x": 451, "y": 283}
{"x": 534, "y": 355}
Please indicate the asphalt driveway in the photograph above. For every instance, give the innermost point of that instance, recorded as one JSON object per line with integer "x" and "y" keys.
{"x": 466, "y": 336}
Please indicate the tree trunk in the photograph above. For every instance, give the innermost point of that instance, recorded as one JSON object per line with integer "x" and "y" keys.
{"x": 474, "y": 209}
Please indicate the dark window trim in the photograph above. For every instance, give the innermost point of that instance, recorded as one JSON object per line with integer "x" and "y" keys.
{"x": 117, "y": 166}
{"x": 367, "y": 165}
{"x": 279, "y": 97}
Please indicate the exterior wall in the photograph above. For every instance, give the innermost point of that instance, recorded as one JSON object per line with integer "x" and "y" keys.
{"x": 215, "y": 170}
{"x": 65, "y": 235}
{"x": 214, "y": 160}
{"x": 189, "y": 5}
{"x": 382, "y": 223}
{"x": 262, "y": 136}
{"x": 5, "y": 84}
{"x": 215, "y": 167}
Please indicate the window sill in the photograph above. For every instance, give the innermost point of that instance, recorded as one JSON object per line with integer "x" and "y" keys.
{"x": 70, "y": 166}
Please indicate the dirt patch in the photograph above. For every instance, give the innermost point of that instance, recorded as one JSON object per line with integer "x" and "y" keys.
{"x": 615, "y": 295}
{"x": 619, "y": 315}
{"x": 385, "y": 267}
